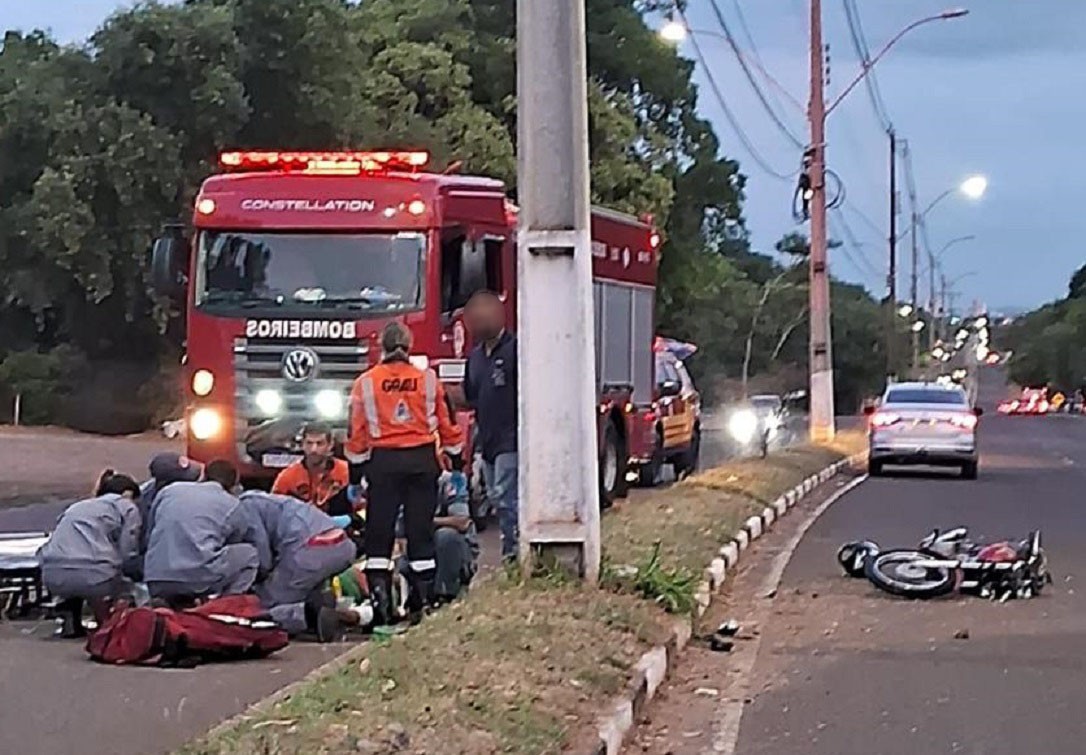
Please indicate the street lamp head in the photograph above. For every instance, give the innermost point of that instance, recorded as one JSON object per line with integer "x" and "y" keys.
{"x": 674, "y": 31}
{"x": 918, "y": 326}
{"x": 974, "y": 187}
{"x": 954, "y": 13}
{"x": 905, "y": 310}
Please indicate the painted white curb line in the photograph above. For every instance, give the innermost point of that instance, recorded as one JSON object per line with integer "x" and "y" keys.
{"x": 653, "y": 667}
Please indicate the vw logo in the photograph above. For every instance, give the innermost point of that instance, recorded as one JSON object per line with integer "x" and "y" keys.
{"x": 300, "y": 365}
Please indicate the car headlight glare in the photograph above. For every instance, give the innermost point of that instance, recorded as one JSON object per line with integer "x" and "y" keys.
{"x": 205, "y": 423}
{"x": 268, "y": 401}
{"x": 202, "y": 382}
{"x": 742, "y": 425}
{"x": 329, "y": 403}
{"x": 420, "y": 361}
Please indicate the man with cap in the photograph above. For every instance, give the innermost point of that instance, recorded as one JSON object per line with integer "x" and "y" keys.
{"x": 399, "y": 421}
{"x": 93, "y": 554}
{"x": 300, "y": 549}
{"x": 201, "y": 541}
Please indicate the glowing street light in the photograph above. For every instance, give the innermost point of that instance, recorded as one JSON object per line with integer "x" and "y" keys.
{"x": 905, "y": 310}
{"x": 674, "y": 31}
{"x": 918, "y": 326}
{"x": 974, "y": 187}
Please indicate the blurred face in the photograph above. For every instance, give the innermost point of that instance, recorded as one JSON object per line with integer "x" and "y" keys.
{"x": 485, "y": 318}
{"x": 317, "y": 449}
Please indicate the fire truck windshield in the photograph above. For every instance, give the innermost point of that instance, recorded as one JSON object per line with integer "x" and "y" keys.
{"x": 300, "y": 272}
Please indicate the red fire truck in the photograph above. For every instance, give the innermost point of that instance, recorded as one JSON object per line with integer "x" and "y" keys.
{"x": 298, "y": 259}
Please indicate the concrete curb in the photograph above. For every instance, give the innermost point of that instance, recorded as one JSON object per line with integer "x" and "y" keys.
{"x": 650, "y": 671}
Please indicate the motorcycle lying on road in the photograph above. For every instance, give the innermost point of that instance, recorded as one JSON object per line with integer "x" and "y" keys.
{"x": 945, "y": 561}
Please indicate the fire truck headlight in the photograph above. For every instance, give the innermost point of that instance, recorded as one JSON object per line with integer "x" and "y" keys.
{"x": 329, "y": 403}
{"x": 205, "y": 423}
{"x": 202, "y": 382}
{"x": 421, "y": 361}
{"x": 268, "y": 401}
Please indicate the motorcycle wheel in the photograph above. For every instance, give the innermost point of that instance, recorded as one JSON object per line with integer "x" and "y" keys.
{"x": 853, "y": 557}
{"x": 896, "y": 572}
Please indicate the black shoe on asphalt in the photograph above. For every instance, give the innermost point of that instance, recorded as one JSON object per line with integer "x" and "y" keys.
{"x": 72, "y": 629}
{"x": 328, "y": 628}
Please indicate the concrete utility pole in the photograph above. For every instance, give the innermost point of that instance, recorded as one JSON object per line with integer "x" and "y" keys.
{"x": 821, "y": 346}
{"x": 932, "y": 305}
{"x": 913, "y": 293}
{"x": 559, "y": 491}
{"x": 891, "y": 282}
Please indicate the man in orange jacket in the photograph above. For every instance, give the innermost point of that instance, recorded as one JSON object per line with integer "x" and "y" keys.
{"x": 400, "y": 420}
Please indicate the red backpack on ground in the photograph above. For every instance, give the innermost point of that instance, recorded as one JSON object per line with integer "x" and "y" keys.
{"x": 233, "y": 627}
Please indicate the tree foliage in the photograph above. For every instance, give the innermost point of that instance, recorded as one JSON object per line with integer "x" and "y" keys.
{"x": 1049, "y": 344}
{"x": 102, "y": 143}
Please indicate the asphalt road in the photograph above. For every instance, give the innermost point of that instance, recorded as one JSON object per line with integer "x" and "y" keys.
{"x": 845, "y": 670}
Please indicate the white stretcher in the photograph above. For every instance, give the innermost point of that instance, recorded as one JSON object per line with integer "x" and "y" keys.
{"x": 21, "y": 590}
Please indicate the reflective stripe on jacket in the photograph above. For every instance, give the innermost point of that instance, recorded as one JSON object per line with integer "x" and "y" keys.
{"x": 397, "y": 405}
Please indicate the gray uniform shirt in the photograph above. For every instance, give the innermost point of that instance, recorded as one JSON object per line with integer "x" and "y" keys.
{"x": 99, "y": 536}
{"x": 287, "y": 524}
{"x": 190, "y": 524}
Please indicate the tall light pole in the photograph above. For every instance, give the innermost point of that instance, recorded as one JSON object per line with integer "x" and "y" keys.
{"x": 820, "y": 346}
{"x": 559, "y": 491}
{"x": 972, "y": 187}
{"x": 935, "y": 305}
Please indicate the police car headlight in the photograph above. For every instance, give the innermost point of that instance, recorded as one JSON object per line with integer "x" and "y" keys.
{"x": 205, "y": 423}
{"x": 202, "y": 382}
{"x": 329, "y": 403}
{"x": 268, "y": 401}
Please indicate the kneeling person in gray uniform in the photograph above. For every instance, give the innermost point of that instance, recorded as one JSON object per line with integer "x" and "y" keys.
{"x": 201, "y": 542}
{"x": 303, "y": 549}
{"x": 94, "y": 555}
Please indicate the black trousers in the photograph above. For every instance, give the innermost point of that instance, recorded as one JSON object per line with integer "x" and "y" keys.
{"x": 402, "y": 479}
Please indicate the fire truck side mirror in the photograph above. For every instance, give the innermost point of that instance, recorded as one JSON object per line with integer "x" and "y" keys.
{"x": 168, "y": 258}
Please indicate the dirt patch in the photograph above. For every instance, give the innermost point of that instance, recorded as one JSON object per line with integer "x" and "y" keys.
{"x": 44, "y": 464}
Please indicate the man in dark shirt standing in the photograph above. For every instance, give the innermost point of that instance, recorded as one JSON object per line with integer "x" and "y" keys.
{"x": 490, "y": 387}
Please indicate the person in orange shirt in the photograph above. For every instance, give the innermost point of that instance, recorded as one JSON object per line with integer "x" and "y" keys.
{"x": 399, "y": 423}
{"x": 318, "y": 478}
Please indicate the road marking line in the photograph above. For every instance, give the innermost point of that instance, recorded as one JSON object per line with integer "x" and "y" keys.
{"x": 729, "y": 714}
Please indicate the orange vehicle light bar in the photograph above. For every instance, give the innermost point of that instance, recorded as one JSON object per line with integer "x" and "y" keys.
{"x": 324, "y": 162}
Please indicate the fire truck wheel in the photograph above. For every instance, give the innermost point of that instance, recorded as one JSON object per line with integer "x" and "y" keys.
{"x": 648, "y": 474}
{"x": 613, "y": 460}
{"x": 687, "y": 463}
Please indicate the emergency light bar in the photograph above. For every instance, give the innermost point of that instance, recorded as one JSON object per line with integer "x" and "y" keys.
{"x": 339, "y": 163}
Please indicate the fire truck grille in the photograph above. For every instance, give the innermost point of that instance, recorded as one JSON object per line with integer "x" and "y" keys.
{"x": 263, "y": 366}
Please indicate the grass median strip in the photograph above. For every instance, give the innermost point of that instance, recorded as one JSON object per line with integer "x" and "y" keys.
{"x": 526, "y": 666}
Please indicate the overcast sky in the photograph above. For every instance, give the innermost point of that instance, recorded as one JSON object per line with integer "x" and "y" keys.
{"x": 1001, "y": 92}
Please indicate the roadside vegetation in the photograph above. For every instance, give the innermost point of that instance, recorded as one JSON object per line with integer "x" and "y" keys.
{"x": 106, "y": 140}
{"x": 526, "y": 666}
{"x": 1049, "y": 343}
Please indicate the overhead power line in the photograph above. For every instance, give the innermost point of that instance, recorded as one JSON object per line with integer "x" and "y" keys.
{"x": 781, "y": 126}
{"x": 871, "y": 83}
{"x": 866, "y": 220}
{"x": 736, "y": 127}
{"x": 850, "y": 242}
